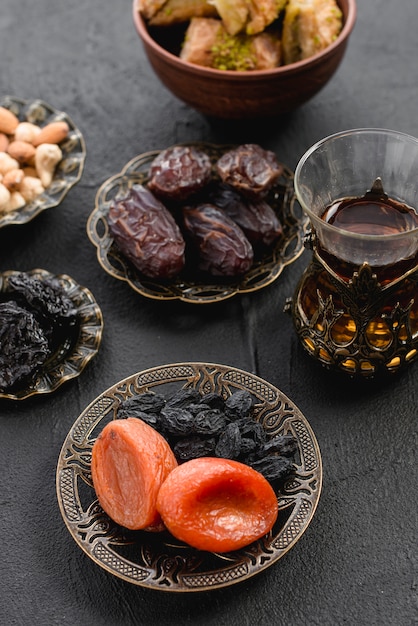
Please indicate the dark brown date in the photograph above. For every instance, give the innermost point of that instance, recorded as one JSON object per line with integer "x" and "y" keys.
{"x": 256, "y": 218}
{"x": 250, "y": 169}
{"x": 223, "y": 249}
{"x": 147, "y": 234}
{"x": 178, "y": 172}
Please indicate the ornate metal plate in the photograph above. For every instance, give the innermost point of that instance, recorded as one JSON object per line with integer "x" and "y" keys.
{"x": 71, "y": 357}
{"x": 157, "y": 560}
{"x": 68, "y": 171}
{"x": 188, "y": 286}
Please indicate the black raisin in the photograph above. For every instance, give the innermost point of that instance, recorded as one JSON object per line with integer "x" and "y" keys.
{"x": 209, "y": 421}
{"x": 229, "y": 443}
{"x": 214, "y": 400}
{"x": 193, "y": 448}
{"x": 183, "y": 397}
{"x": 252, "y": 429}
{"x": 176, "y": 421}
{"x": 284, "y": 445}
{"x": 239, "y": 404}
{"x": 147, "y": 402}
{"x": 273, "y": 467}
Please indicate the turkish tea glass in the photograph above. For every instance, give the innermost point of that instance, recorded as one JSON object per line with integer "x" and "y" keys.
{"x": 355, "y": 308}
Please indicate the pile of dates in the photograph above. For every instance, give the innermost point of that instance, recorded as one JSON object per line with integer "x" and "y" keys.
{"x": 194, "y": 212}
{"x": 36, "y": 318}
{"x": 198, "y": 425}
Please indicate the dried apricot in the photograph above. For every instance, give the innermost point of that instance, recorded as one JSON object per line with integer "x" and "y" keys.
{"x": 216, "y": 504}
{"x": 130, "y": 461}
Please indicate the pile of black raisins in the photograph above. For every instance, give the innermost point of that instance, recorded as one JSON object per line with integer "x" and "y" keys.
{"x": 198, "y": 425}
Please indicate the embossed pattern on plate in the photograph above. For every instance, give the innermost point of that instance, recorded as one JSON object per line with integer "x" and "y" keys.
{"x": 157, "y": 560}
{"x": 70, "y": 359}
{"x": 68, "y": 171}
{"x": 186, "y": 286}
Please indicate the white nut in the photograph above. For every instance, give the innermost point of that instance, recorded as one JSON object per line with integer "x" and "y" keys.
{"x": 26, "y": 131}
{"x": 47, "y": 156}
{"x": 4, "y": 197}
{"x": 16, "y": 201}
{"x": 31, "y": 187}
{"x": 7, "y": 163}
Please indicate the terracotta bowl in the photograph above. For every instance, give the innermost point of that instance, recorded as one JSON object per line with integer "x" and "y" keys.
{"x": 235, "y": 95}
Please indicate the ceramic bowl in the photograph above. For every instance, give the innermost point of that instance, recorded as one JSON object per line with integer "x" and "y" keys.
{"x": 240, "y": 95}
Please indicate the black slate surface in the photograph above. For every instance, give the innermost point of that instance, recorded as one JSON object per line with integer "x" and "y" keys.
{"x": 356, "y": 564}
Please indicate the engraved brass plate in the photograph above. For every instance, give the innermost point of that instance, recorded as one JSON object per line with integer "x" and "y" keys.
{"x": 189, "y": 286}
{"x": 157, "y": 560}
{"x": 70, "y": 358}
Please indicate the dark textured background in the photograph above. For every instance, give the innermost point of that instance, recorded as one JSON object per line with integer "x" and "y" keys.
{"x": 356, "y": 564}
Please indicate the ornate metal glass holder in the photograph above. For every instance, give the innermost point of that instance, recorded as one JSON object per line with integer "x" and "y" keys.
{"x": 356, "y": 325}
{"x": 355, "y": 308}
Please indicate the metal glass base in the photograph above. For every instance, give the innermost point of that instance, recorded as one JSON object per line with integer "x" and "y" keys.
{"x": 356, "y": 325}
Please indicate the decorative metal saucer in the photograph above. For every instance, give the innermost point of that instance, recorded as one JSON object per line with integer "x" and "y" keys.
{"x": 70, "y": 359}
{"x": 189, "y": 286}
{"x": 157, "y": 560}
{"x": 68, "y": 171}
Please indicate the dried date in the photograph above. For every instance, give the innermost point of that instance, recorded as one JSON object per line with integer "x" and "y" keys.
{"x": 255, "y": 217}
{"x": 179, "y": 172}
{"x": 147, "y": 234}
{"x": 250, "y": 169}
{"x": 222, "y": 247}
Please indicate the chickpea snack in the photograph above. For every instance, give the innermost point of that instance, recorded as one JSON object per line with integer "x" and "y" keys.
{"x": 42, "y": 156}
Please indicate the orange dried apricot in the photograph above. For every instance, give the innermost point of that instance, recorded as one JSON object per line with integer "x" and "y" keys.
{"x": 130, "y": 461}
{"x": 217, "y": 504}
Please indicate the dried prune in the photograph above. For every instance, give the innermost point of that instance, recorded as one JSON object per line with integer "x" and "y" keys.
{"x": 255, "y": 217}
{"x": 147, "y": 233}
{"x": 48, "y": 302}
{"x": 193, "y": 448}
{"x": 239, "y": 404}
{"x": 222, "y": 248}
{"x": 23, "y": 344}
{"x": 45, "y": 297}
{"x": 250, "y": 169}
{"x": 178, "y": 172}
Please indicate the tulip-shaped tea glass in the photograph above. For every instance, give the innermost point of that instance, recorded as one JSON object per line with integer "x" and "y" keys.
{"x": 355, "y": 308}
